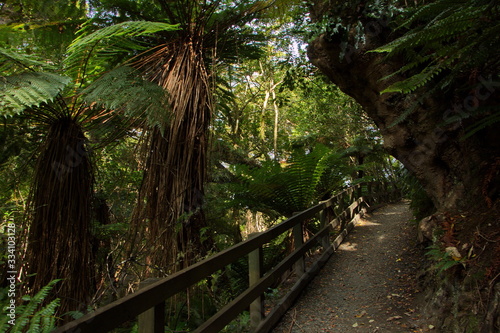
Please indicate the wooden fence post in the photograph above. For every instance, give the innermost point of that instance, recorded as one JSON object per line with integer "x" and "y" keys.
{"x": 359, "y": 191}
{"x": 336, "y": 205}
{"x": 298, "y": 241}
{"x": 369, "y": 198}
{"x": 255, "y": 265}
{"x": 350, "y": 198}
{"x": 324, "y": 220}
{"x": 376, "y": 190}
{"x": 152, "y": 320}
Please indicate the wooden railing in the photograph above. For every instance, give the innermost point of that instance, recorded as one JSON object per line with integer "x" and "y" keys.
{"x": 340, "y": 212}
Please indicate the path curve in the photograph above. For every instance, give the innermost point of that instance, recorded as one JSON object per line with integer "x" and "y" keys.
{"x": 369, "y": 284}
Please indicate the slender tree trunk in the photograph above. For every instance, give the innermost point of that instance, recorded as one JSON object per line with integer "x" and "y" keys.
{"x": 276, "y": 123}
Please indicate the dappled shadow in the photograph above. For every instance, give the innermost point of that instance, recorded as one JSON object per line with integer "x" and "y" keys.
{"x": 367, "y": 284}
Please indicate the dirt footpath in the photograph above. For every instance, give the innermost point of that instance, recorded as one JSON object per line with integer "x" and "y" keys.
{"x": 369, "y": 284}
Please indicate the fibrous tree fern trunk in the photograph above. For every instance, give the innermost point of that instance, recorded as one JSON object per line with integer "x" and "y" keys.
{"x": 59, "y": 240}
{"x": 169, "y": 210}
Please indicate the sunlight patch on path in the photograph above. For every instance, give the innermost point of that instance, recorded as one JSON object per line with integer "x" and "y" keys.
{"x": 368, "y": 285}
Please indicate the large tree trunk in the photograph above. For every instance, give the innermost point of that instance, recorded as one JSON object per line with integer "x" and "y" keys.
{"x": 451, "y": 170}
{"x": 461, "y": 176}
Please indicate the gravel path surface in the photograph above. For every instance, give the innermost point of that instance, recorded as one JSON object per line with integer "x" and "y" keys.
{"x": 369, "y": 284}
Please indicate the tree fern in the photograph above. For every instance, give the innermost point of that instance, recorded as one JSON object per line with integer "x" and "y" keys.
{"x": 106, "y": 43}
{"x": 12, "y": 61}
{"x": 124, "y": 89}
{"x": 21, "y": 91}
{"x": 284, "y": 189}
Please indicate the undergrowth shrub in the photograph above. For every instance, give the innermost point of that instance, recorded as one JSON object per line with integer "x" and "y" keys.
{"x": 420, "y": 203}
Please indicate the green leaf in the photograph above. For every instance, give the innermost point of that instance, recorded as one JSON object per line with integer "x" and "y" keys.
{"x": 110, "y": 41}
{"x": 10, "y": 60}
{"x": 21, "y": 91}
{"x": 126, "y": 90}
{"x": 482, "y": 124}
{"x": 414, "y": 82}
{"x": 124, "y": 29}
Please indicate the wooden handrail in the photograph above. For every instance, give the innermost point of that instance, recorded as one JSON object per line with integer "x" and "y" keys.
{"x": 154, "y": 295}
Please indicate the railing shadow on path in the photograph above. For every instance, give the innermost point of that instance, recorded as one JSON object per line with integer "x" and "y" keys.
{"x": 341, "y": 212}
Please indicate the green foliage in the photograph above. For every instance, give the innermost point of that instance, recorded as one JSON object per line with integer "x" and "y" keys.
{"x": 421, "y": 205}
{"x": 338, "y": 19}
{"x": 23, "y": 85}
{"x": 43, "y": 27}
{"x": 32, "y": 315}
{"x": 240, "y": 324}
{"x": 91, "y": 51}
{"x": 117, "y": 32}
{"x": 27, "y": 90}
{"x": 413, "y": 83}
{"x": 285, "y": 189}
{"x": 118, "y": 179}
{"x": 448, "y": 46}
{"x": 442, "y": 259}
{"x": 125, "y": 89}
{"x": 12, "y": 60}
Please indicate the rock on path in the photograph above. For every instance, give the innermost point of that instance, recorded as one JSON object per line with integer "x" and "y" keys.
{"x": 369, "y": 284}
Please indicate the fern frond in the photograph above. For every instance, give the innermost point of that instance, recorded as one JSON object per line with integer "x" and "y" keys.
{"x": 125, "y": 29}
{"x": 126, "y": 90}
{"x": 432, "y": 10}
{"x": 48, "y": 317}
{"x": 10, "y": 61}
{"x": 26, "y": 312}
{"x": 286, "y": 189}
{"x": 110, "y": 41}
{"x": 447, "y": 21}
{"x": 451, "y": 36}
{"x": 21, "y": 91}
{"x": 494, "y": 118}
{"x": 414, "y": 82}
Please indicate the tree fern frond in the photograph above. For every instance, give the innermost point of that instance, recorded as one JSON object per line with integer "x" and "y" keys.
{"x": 21, "y": 91}
{"x": 10, "y": 60}
{"x": 125, "y": 89}
{"x": 125, "y": 29}
{"x": 110, "y": 41}
{"x": 287, "y": 189}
